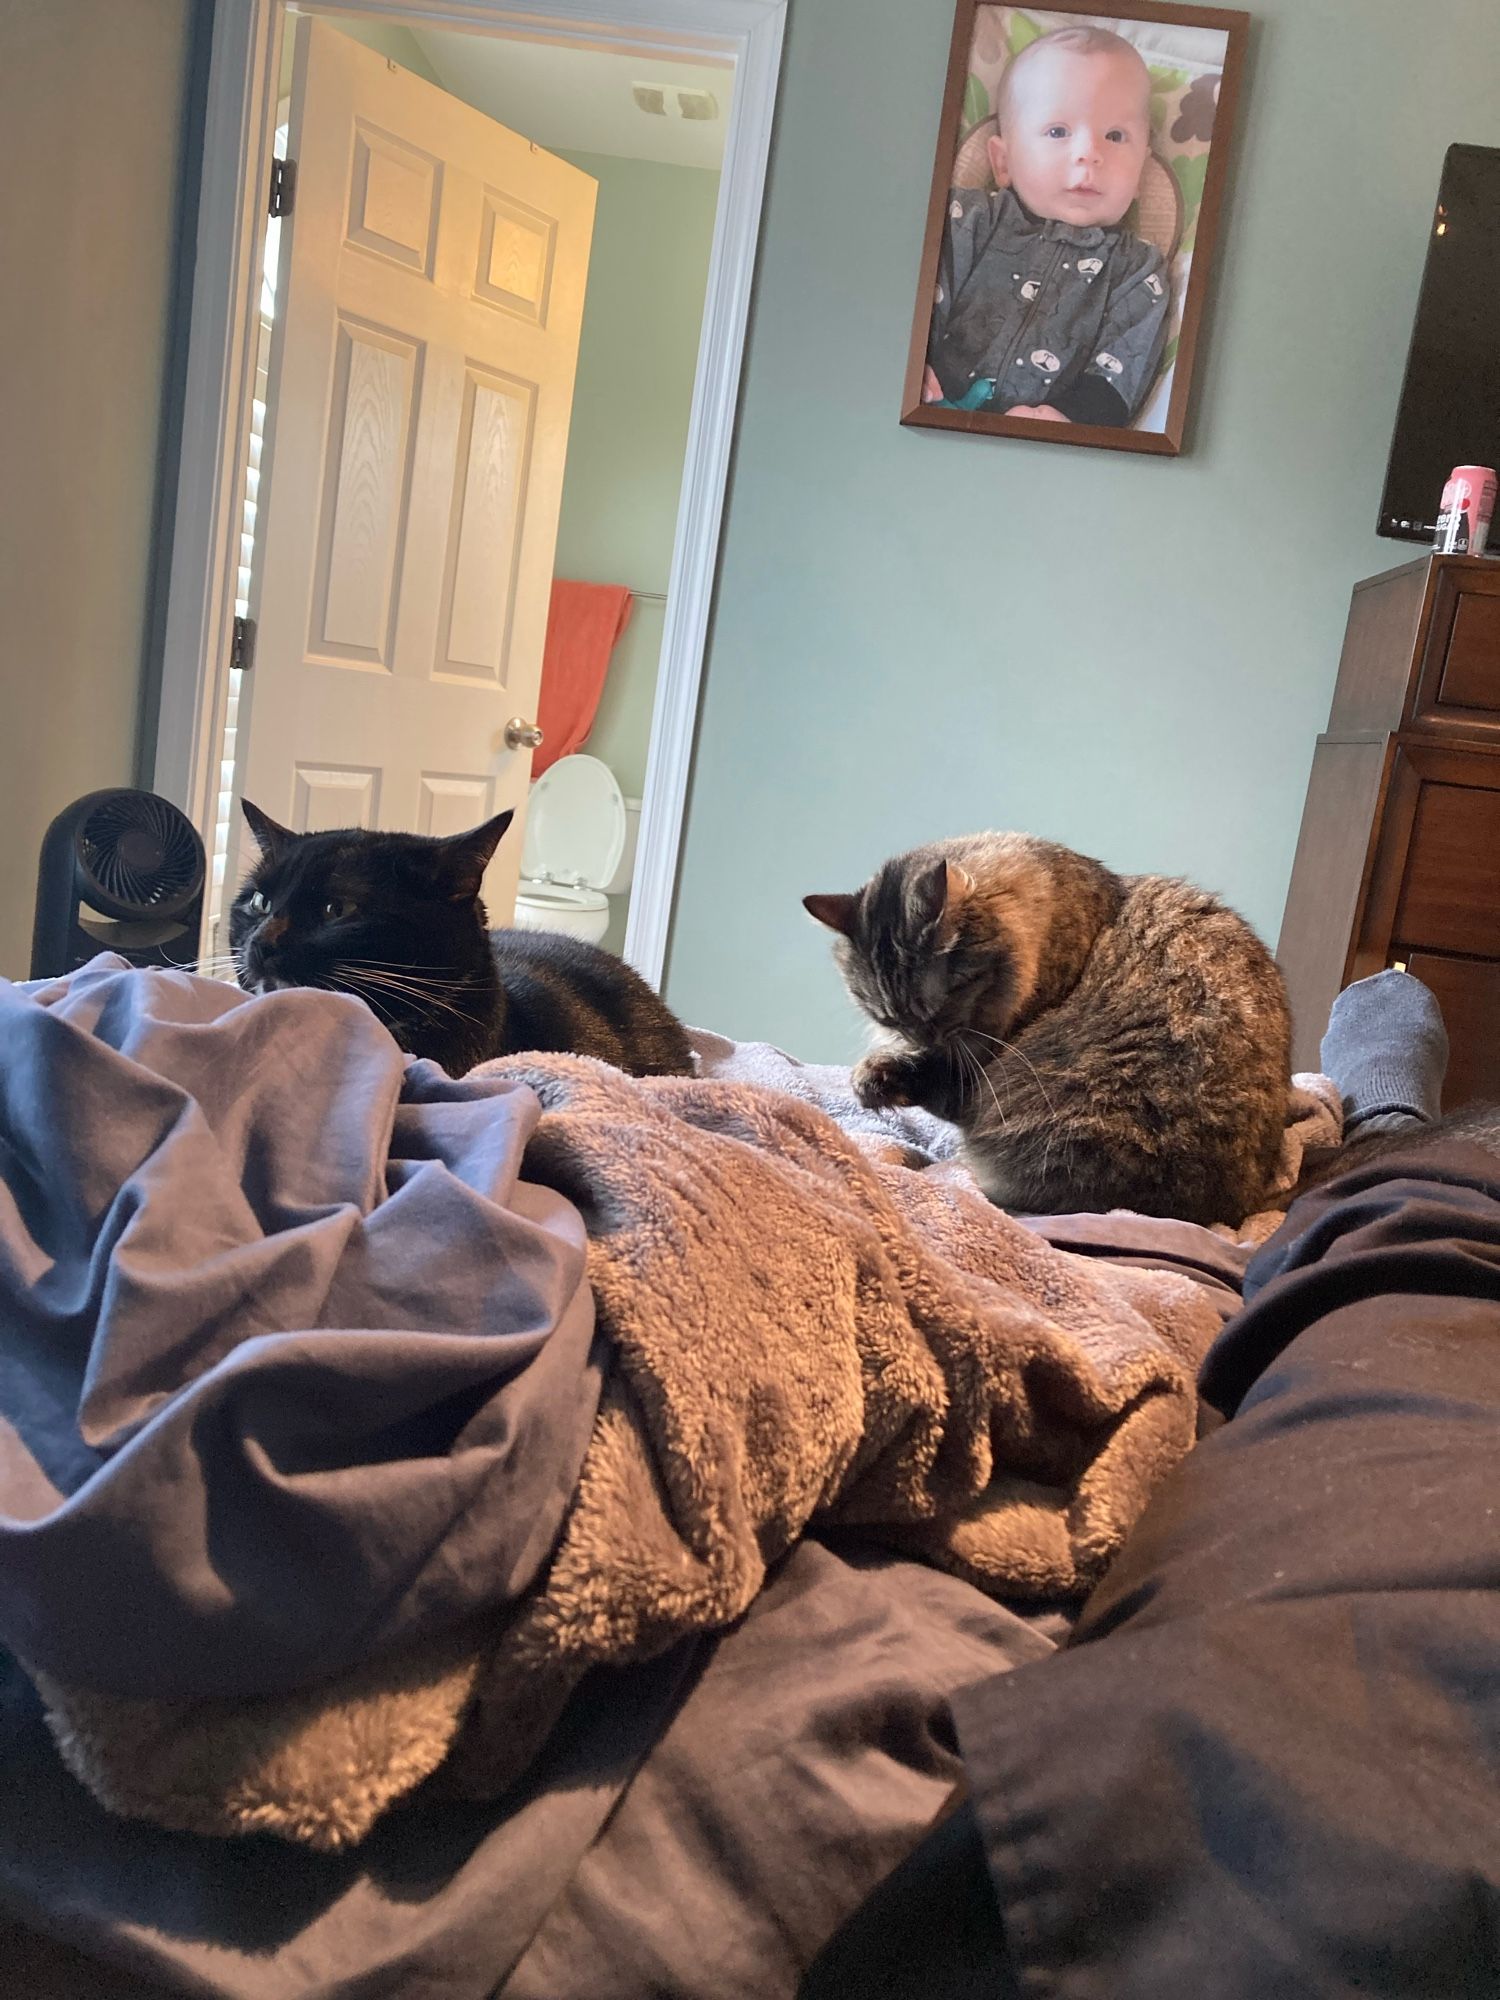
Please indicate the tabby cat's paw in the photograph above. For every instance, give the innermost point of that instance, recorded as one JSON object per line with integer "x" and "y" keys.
{"x": 885, "y": 1080}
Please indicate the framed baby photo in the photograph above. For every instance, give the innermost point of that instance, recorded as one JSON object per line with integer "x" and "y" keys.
{"x": 1075, "y": 203}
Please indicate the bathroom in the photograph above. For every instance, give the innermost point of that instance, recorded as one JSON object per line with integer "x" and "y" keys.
{"x": 650, "y": 141}
{"x": 653, "y": 235}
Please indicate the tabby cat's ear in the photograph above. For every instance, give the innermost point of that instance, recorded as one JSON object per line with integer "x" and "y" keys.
{"x": 467, "y": 855}
{"x": 835, "y": 911}
{"x": 270, "y": 838}
{"x": 936, "y": 896}
{"x": 959, "y": 885}
{"x": 926, "y": 895}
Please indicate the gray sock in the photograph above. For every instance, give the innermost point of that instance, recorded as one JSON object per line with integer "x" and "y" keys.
{"x": 1387, "y": 1050}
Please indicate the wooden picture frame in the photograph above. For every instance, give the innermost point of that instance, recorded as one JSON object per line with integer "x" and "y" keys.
{"x": 996, "y": 273}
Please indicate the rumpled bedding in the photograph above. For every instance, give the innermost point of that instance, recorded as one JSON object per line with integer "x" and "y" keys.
{"x": 294, "y": 1366}
{"x": 309, "y": 1492}
{"x": 694, "y": 1829}
{"x": 1216, "y": 1256}
{"x": 1314, "y": 1123}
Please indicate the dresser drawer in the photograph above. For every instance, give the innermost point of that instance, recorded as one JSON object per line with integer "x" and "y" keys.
{"x": 1471, "y": 665}
{"x": 1450, "y": 885}
{"x": 1468, "y": 992}
{"x": 1460, "y": 676}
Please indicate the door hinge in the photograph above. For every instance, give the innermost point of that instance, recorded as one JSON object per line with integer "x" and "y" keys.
{"x": 283, "y": 186}
{"x": 242, "y": 645}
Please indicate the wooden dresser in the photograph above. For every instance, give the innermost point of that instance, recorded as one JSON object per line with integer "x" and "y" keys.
{"x": 1398, "y": 861}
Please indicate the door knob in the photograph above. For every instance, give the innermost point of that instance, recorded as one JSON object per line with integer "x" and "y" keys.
{"x": 522, "y": 735}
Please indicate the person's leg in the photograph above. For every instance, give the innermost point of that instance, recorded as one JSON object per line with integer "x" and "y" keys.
{"x": 931, "y": 1931}
{"x": 1387, "y": 1050}
{"x": 1268, "y": 1764}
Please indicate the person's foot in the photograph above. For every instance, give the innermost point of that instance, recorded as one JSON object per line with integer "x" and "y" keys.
{"x": 1387, "y": 1050}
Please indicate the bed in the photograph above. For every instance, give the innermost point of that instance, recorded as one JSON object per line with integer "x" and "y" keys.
{"x": 528, "y": 1535}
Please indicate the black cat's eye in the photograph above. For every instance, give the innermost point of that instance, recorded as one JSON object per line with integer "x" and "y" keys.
{"x": 335, "y": 908}
{"x": 257, "y": 905}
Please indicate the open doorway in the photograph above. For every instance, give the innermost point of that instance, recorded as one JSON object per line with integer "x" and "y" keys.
{"x": 647, "y": 120}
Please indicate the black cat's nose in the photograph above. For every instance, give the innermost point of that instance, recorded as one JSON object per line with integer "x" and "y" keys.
{"x": 261, "y": 954}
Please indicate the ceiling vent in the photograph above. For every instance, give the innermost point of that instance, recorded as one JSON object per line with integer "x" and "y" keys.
{"x": 661, "y": 100}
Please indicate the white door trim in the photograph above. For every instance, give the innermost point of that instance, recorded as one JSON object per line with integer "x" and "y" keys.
{"x": 239, "y": 123}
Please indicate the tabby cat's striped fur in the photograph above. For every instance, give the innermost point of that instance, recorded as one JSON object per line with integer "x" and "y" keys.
{"x": 1102, "y": 1041}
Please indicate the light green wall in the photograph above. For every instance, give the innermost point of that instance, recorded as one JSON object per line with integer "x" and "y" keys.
{"x": 91, "y": 105}
{"x": 918, "y": 634}
{"x": 653, "y": 232}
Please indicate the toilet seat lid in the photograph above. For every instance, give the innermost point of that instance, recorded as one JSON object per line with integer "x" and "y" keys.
{"x": 561, "y": 896}
{"x": 575, "y": 824}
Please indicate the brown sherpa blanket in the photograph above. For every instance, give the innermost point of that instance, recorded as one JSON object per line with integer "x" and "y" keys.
{"x": 799, "y": 1333}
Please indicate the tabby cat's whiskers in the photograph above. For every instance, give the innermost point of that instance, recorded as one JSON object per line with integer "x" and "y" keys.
{"x": 1010, "y": 1049}
{"x": 981, "y": 1075}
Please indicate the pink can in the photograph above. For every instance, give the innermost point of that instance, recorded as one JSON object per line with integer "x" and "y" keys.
{"x": 1464, "y": 518}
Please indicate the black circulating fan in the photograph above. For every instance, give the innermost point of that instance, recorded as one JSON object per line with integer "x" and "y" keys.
{"x": 121, "y": 871}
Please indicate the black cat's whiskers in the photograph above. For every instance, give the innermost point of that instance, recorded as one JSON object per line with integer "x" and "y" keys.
{"x": 418, "y": 990}
{"x": 383, "y": 1010}
{"x": 404, "y": 965}
{"x": 209, "y": 965}
{"x": 358, "y": 976}
{"x": 407, "y": 977}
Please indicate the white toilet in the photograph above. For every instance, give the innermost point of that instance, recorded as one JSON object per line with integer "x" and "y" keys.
{"x": 579, "y": 849}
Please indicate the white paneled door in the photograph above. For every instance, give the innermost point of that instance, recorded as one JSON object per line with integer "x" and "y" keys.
{"x": 421, "y": 381}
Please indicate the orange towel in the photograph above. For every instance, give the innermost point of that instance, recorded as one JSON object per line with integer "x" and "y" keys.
{"x": 584, "y": 626}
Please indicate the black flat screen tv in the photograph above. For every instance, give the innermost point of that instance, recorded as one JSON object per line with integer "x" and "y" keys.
{"x": 1450, "y": 400}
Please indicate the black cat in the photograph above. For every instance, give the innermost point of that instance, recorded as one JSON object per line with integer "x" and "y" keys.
{"x": 396, "y": 920}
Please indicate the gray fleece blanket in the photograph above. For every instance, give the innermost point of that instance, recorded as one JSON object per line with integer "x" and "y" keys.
{"x": 1217, "y": 1257}
{"x": 307, "y": 1490}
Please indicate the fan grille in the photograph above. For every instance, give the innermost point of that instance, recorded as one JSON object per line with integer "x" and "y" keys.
{"x": 140, "y": 850}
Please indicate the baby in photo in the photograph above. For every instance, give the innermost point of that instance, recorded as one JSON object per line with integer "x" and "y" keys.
{"x": 1046, "y": 306}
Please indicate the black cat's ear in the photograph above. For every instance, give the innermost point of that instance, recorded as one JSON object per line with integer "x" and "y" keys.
{"x": 467, "y": 855}
{"x": 835, "y": 911}
{"x": 270, "y": 838}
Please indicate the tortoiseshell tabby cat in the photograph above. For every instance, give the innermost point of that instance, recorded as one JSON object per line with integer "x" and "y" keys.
{"x": 1102, "y": 1041}
{"x": 396, "y": 920}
